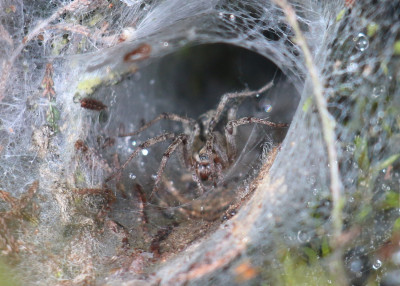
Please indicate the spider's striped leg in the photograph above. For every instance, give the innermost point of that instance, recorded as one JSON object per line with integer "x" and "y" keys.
{"x": 180, "y": 139}
{"x": 165, "y": 115}
{"x": 230, "y": 131}
{"x": 144, "y": 145}
{"x": 229, "y": 96}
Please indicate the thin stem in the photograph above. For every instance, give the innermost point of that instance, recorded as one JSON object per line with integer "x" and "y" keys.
{"x": 328, "y": 122}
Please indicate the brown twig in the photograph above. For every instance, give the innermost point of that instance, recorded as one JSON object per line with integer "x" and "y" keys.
{"x": 48, "y": 83}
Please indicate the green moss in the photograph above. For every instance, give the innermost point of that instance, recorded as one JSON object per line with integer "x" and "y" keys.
{"x": 307, "y": 104}
{"x": 6, "y": 278}
{"x": 396, "y": 225}
{"x": 364, "y": 212}
{"x": 387, "y": 162}
{"x": 89, "y": 85}
{"x": 385, "y": 68}
{"x": 396, "y": 48}
{"x": 372, "y": 28}
{"x": 392, "y": 200}
{"x": 301, "y": 273}
{"x": 361, "y": 153}
{"x": 340, "y": 15}
{"x": 53, "y": 116}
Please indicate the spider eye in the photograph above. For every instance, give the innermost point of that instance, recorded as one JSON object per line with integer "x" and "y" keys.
{"x": 203, "y": 158}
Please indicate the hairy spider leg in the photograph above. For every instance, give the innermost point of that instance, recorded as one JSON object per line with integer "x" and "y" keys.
{"x": 230, "y": 131}
{"x": 144, "y": 145}
{"x": 228, "y": 96}
{"x": 165, "y": 115}
{"x": 180, "y": 139}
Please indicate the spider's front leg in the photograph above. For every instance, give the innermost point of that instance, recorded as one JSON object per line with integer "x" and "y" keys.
{"x": 144, "y": 145}
{"x": 229, "y": 96}
{"x": 230, "y": 132}
{"x": 163, "y": 116}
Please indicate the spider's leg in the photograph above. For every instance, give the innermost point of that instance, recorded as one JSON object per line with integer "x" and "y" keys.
{"x": 165, "y": 115}
{"x": 144, "y": 145}
{"x": 181, "y": 139}
{"x": 175, "y": 193}
{"x": 186, "y": 150}
{"x": 197, "y": 180}
{"x": 142, "y": 207}
{"x": 228, "y": 96}
{"x": 210, "y": 150}
{"x": 230, "y": 131}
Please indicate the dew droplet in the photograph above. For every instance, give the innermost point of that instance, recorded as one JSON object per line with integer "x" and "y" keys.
{"x": 303, "y": 236}
{"x": 154, "y": 176}
{"x": 232, "y": 17}
{"x": 350, "y": 148}
{"x": 311, "y": 180}
{"x": 352, "y": 67}
{"x": 133, "y": 143}
{"x": 377, "y": 264}
{"x": 77, "y": 98}
{"x": 165, "y": 44}
{"x": 145, "y": 152}
{"x": 362, "y": 42}
{"x": 378, "y": 91}
{"x": 356, "y": 265}
{"x": 132, "y": 176}
{"x": 267, "y": 108}
{"x": 221, "y": 15}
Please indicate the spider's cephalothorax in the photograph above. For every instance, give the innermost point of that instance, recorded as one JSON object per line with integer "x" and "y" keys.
{"x": 206, "y": 152}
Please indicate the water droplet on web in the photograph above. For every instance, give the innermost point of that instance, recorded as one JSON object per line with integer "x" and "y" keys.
{"x": 165, "y": 44}
{"x": 378, "y": 91}
{"x": 377, "y": 264}
{"x": 362, "y": 42}
{"x": 311, "y": 180}
{"x": 154, "y": 177}
{"x": 145, "y": 152}
{"x": 221, "y": 15}
{"x": 303, "y": 236}
{"x": 352, "y": 67}
{"x": 133, "y": 143}
{"x": 132, "y": 176}
{"x": 232, "y": 17}
{"x": 267, "y": 107}
{"x": 356, "y": 266}
{"x": 350, "y": 148}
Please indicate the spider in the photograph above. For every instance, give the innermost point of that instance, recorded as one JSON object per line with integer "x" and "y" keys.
{"x": 204, "y": 150}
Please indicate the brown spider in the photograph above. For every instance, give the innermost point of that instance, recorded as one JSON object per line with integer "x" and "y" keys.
{"x": 205, "y": 151}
